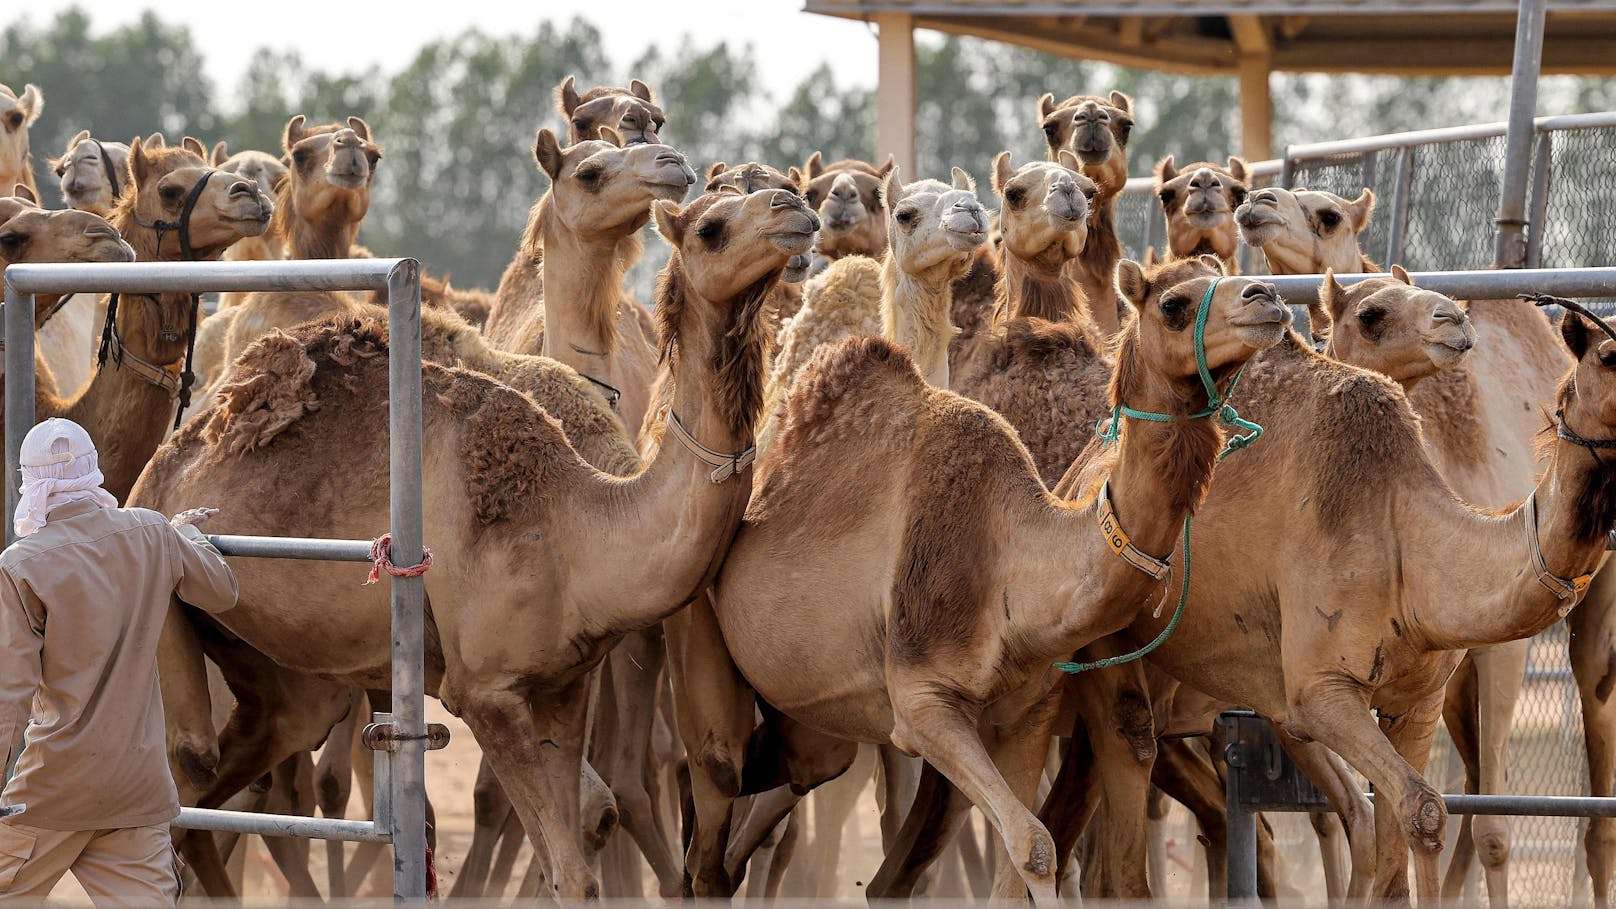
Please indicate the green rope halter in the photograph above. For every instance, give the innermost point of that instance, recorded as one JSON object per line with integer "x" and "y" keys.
{"x": 1217, "y": 402}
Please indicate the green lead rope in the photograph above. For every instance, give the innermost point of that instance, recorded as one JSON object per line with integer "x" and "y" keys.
{"x": 1217, "y": 403}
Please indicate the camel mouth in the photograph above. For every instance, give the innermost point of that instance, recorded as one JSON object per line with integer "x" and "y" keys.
{"x": 1093, "y": 155}
{"x": 842, "y": 216}
{"x": 965, "y": 240}
{"x": 794, "y": 241}
{"x": 1207, "y": 218}
{"x": 108, "y": 249}
{"x": 1447, "y": 354}
{"x": 796, "y": 270}
{"x": 1258, "y": 230}
{"x": 348, "y": 179}
{"x": 1065, "y": 213}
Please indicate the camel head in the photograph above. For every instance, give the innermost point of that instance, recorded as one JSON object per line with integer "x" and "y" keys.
{"x": 847, "y": 195}
{"x": 749, "y": 178}
{"x": 1096, "y": 130}
{"x": 599, "y": 188}
{"x": 87, "y": 169}
{"x": 331, "y": 170}
{"x": 1045, "y": 217}
{"x": 161, "y": 181}
{"x": 17, "y": 113}
{"x": 1587, "y": 397}
{"x": 1245, "y": 316}
{"x": 631, "y": 111}
{"x": 1303, "y": 232}
{"x": 1199, "y": 201}
{"x": 29, "y": 233}
{"x": 933, "y": 227}
{"x": 262, "y": 168}
{"x": 1392, "y": 327}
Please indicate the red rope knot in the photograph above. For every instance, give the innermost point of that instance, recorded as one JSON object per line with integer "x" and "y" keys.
{"x": 381, "y": 557}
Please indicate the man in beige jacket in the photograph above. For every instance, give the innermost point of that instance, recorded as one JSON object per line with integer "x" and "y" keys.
{"x": 83, "y": 595}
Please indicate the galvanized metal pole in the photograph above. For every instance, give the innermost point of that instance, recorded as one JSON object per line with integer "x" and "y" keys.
{"x": 19, "y": 334}
{"x": 1509, "y": 250}
{"x": 1401, "y": 191}
{"x": 1538, "y": 218}
{"x": 408, "y": 775}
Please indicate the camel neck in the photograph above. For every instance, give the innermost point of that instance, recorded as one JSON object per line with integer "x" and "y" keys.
{"x": 127, "y": 415}
{"x": 1036, "y": 289}
{"x": 331, "y": 235}
{"x": 583, "y": 279}
{"x": 1096, "y": 266}
{"x": 914, "y": 313}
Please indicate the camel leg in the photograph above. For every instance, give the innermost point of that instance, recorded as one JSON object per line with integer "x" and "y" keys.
{"x": 784, "y": 760}
{"x": 1336, "y": 780}
{"x": 935, "y": 817}
{"x": 1019, "y": 751}
{"x": 537, "y": 748}
{"x": 490, "y": 812}
{"x": 1073, "y": 798}
{"x": 1114, "y": 705}
{"x": 333, "y": 786}
{"x": 896, "y": 781}
{"x": 511, "y": 838}
{"x": 940, "y": 731}
{"x": 834, "y": 803}
{"x": 1500, "y": 671}
{"x": 1328, "y": 831}
{"x": 785, "y": 846}
{"x": 1593, "y": 664}
{"x": 974, "y": 859}
{"x": 1184, "y": 771}
{"x": 633, "y": 671}
{"x": 762, "y": 822}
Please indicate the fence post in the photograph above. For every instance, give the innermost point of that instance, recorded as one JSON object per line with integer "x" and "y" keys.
{"x": 1397, "y": 235}
{"x": 1241, "y": 842}
{"x": 408, "y": 756}
{"x": 1538, "y": 220}
{"x": 1155, "y": 223}
{"x": 1509, "y": 250}
{"x": 1287, "y": 171}
{"x": 19, "y": 335}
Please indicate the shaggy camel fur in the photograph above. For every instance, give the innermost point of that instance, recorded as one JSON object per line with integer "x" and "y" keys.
{"x": 1096, "y": 130}
{"x": 917, "y": 653}
{"x": 1480, "y": 441}
{"x": 847, "y": 195}
{"x": 633, "y": 115}
{"x": 17, "y": 113}
{"x": 1198, "y": 201}
{"x": 94, "y": 174}
{"x": 906, "y": 296}
{"x": 522, "y": 688}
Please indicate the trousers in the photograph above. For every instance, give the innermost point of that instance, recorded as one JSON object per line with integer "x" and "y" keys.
{"x": 130, "y": 866}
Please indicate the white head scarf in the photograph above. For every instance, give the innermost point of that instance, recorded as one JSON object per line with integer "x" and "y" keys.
{"x": 59, "y": 466}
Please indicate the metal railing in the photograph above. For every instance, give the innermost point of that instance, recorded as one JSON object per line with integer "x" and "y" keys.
{"x": 400, "y": 804}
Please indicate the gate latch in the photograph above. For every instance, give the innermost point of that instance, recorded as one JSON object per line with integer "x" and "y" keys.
{"x": 382, "y": 737}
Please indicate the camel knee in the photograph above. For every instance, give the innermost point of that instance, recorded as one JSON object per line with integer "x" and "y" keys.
{"x": 720, "y": 765}
{"x": 1425, "y": 818}
{"x": 1491, "y": 838}
{"x": 1136, "y": 726}
{"x": 195, "y": 763}
{"x": 489, "y": 805}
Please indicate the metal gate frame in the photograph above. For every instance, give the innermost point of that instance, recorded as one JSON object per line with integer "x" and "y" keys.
{"x": 400, "y": 803}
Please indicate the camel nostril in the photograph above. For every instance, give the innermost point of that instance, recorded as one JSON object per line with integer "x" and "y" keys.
{"x": 242, "y": 188}
{"x": 1256, "y": 290}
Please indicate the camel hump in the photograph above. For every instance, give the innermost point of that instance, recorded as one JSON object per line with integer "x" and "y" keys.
{"x": 848, "y": 373}
{"x": 1038, "y": 340}
{"x": 271, "y": 387}
{"x": 848, "y": 286}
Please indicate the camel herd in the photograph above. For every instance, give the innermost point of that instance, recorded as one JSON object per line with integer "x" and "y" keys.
{"x": 881, "y": 452}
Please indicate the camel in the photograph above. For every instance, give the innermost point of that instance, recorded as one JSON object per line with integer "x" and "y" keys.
{"x": 521, "y": 687}
{"x": 1199, "y": 201}
{"x": 633, "y": 116}
{"x": 92, "y": 172}
{"x": 267, "y": 171}
{"x": 890, "y": 667}
{"x": 847, "y": 195}
{"x": 751, "y": 177}
{"x": 129, "y": 404}
{"x": 17, "y": 113}
{"x": 1480, "y": 443}
{"x": 1096, "y": 130}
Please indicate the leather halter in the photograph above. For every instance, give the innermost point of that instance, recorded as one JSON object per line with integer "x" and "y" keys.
{"x": 613, "y": 393}
{"x": 1567, "y": 590}
{"x": 112, "y": 343}
{"x": 112, "y": 172}
{"x": 724, "y": 464}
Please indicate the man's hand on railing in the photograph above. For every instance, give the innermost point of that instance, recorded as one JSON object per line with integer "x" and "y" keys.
{"x": 194, "y": 517}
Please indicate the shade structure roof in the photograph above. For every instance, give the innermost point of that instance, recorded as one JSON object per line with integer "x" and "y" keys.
{"x": 1403, "y": 37}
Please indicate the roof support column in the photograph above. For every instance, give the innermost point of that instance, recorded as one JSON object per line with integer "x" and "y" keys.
{"x": 1509, "y": 245}
{"x": 1256, "y": 102}
{"x": 895, "y": 92}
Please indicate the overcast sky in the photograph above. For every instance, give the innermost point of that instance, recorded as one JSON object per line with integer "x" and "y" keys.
{"x": 789, "y": 42}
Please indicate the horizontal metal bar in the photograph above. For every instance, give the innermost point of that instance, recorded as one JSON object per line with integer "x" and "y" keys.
{"x": 1471, "y": 285}
{"x": 1532, "y": 805}
{"x": 312, "y": 548}
{"x": 201, "y": 277}
{"x": 1268, "y": 168}
{"x": 1471, "y": 131}
{"x": 314, "y": 828}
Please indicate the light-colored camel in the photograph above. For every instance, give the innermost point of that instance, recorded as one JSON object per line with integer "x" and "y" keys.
{"x": 1479, "y": 442}
{"x": 1096, "y": 130}
{"x": 1198, "y": 201}
{"x": 847, "y": 195}
{"x": 93, "y": 173}
{"x": 17, "y": 113}
{"x": 520, "y": 686}
{"x": 945, "y": 622}
{"x": 267, "y": 171}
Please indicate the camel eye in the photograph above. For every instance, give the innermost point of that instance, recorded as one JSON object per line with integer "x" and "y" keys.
{"x": 14, "y": 119}
{"x": 580, "y": 124}
{"x": 61, "y": 169}
{"x": 588, "y": 176}
{"x": 1329, "y": 219}
{"x": 1607, "y": 355}
{"x": 1166, "y": 198}
{"x": 12, "y": 240}
{"x": 1015, "y": 196}
{"x": 1051, "y": 129}
{"x": 1371, "y": 316}
{"x": 1239, "y": 192}
{"x": 171, "y": 194}
{"x": 1173, "y": 305}
{"x": 905, "y": 216}
{"x": 710, "y": 231}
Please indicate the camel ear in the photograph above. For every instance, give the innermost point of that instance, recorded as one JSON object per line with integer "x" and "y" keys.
{"x": 194, "y": 145}
{"x": 1237, "y": 168}
{"x": 547, "y": 151}
{"x": 1131, "y": 283}
{"x": 717, "y": 168}
{"x": 608, "y": 134}
{"x": 797, "y": 177}
{"x": 640, "y": 90}
{"x": 1574, "y": 331}
{"x": 1068, "y": 159}
{"x": 887, "y": 166}
{"x": 1002, "y": 171}
{"x": 815, "y": 166}
{"x": 1332, "y": 297}
{"x": 156, "y": 140}
{"x": 1360, "y": 209}
{"x": 221, "y": 154}
{"x": 891, "y": 189}
{"x": 962, "y": 180}
{"x": 567, "y": 99}
{"x": 22, "y": 191}
{"x": 32, "y": 104}
{"x": 73, "y": 142}
{"x": 1122, "y": 102}
{"x": 666, "y": 216}
{"x": 139, "y": 165}
{"x": 293, "y": 133}
{"x": 1165, "y": 170}
{"x": 1214, "y": 263}
{"x": 1046, "y": 105}
{"x": 360, "y": 127}
{"x": 1401, "y": 274}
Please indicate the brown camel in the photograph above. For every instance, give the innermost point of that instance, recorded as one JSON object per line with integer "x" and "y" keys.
{"x": 17, "y": 113}
{"x": 751, "y": 177}
{"x": 1199, "y": 201}
{"x": 93, "y": 173}
{"x": 847, "y": 195}
{"x": 319, "y": 393}
{"x": 1481, "y": 440}
{"x": 891, "y": 666}
{"x": 1096, "y": 130}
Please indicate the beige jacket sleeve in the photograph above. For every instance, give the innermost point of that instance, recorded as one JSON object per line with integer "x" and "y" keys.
{"x": 22, "y": 639}
{"x": 206, "y": 581}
